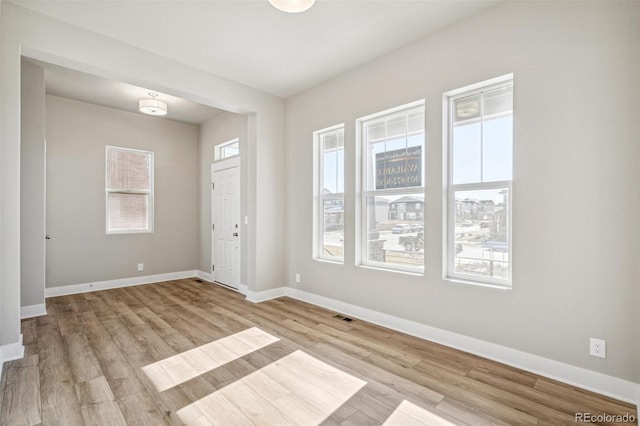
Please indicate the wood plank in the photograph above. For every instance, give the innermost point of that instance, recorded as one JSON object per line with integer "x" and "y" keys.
{"x": 21, "y": 401}
{"x": 140, "y": 409}
{"x": 82, "y": 360}
{"x": 60, "y": 404}
{"x": 466, "y": 414}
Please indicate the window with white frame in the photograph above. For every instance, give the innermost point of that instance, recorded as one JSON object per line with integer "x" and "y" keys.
{"x": 227, "y": 149}
{"x": 129, "y": 190}
{"x": 393, "y": 188}
{"x": 479, "y": 154}
{"x": 329, "y": 146}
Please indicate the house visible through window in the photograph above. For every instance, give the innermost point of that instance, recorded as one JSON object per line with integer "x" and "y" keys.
{"x": 392, "y": 204}
{"x": 129, "y": 190}
{"x": 330, "y": 201}
{"x": 479, "y": 154}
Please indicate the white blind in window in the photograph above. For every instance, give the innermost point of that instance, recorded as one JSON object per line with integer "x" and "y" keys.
{"x": 128, "y": 186}
{"x": 128, "y": 170}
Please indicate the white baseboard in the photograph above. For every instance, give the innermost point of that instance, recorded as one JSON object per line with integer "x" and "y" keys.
{"x": 32, "y": 311}
{"x": 263, "y": 296}
{"x": 207, "y": 276}
{"x": 124, "y": 282}
{"x": 11, "y": 352}
{"x": 614, "y": 387}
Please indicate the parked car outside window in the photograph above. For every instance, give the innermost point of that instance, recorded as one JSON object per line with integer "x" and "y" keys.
{"x": 401, "y": 228}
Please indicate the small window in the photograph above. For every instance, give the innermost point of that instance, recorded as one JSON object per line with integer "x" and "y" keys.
{"x": 227, "y": 149}
{"x": 479, "y": 149}
{"x": 393, "y": 188}
{"x": 329, "y": 148}
{"x": 129, "y": 190}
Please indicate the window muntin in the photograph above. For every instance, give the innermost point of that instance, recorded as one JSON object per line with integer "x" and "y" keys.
{"x": 480, "y": 158}
{"x": 129, "y": 190}
{"x": 330, "y": 218}
{"x": 393, "y": 199}
{"x": 227, "y": 149}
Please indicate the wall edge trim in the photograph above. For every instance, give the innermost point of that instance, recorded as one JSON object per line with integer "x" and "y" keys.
{"x": 11, "y": 352}
{"x": 264, "y": 295}
{"x": 610, "y": 386}
{"x": 118, "y": 283}
{"x": 33, "y": 311}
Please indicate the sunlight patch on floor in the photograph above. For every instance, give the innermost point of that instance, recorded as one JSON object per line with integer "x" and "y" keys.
{"x": 409, "y": 414}
{"x": 295, "y": 390}
{"x": 185, "y": 366}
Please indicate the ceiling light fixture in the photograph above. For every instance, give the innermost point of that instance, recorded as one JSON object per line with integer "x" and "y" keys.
{"x": 467, "y": 109}
{"x": 292, "y": 6}
{"x": 153, "y": 106}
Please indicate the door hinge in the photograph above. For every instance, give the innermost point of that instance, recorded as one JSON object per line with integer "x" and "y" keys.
{"x": 213, "y": 268}
{"x": 213, "y": 186}
{"x": 213, "y": 226}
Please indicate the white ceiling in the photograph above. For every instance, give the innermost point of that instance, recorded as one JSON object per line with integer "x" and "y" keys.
{"x": 252, "y": 43}
{"x": 83, "y": 87}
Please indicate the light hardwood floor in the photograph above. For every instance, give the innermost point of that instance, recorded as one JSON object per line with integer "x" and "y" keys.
{"x": 84, "y": 364}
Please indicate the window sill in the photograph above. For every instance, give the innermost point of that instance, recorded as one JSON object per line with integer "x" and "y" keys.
{"x": 332, "y": 261}
{"x": 415, "y": 273}
{"x": 128, "y": 232}
{"x": 478, "y": 283}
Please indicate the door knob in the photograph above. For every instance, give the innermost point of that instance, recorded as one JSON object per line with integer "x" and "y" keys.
{"x": 48, "y": 237}
{"x": 235, "y": 234}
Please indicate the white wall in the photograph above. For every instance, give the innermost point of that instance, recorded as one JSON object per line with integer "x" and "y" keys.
{"x": 221, "y": 128}
{"x": 34, "y": 35}
{"x": 32, "y": 185}
{"x": 80, "y": 251}
{"x": 5, "y": 290}
{"x": 575, "y": 201}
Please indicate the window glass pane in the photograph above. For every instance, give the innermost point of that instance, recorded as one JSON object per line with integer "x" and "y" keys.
{"x": 330, "y": 163}
{"x": 128, "y": 170}
{"x": 340, "y": 171}
{"x": 128, "y": 212}
{"x": 497, "y": 102}
{"x": 392, "y": 167}
{"x": 332, "y": 146}
{"x": 466, "y": 140}
{"x": 330, "y": 202}
{"x": 466, "y": 153}
{"x": 394, "y": 229}
{"x": 333, "y": 228}
{"x": 230, "y": 150}
{"x": 497, "y": 149}
{"x": 481, "y": 238}
{"x": 467, "y": 110}
{"x": 497, "y": 134}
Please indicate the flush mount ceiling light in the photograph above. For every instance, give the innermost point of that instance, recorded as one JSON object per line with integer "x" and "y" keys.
{"x": 153, "y": 106}
{"x": 292, "y": 6}
{"x": 467, "y": 109}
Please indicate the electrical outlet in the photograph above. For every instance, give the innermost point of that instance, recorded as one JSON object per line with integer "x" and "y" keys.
{"x": 298, "y": 278}
{"x": 597, "y": 348}
{"x": 140, "y": 266}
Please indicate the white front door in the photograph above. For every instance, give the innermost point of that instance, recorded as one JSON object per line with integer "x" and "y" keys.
{"x": 225, "y": 218}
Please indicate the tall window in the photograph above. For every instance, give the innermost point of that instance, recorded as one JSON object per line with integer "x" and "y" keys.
{"x": 330, "y": 207}
{"x": 129, "y": 190}
{"x": 479, "y": 154}
{"x": 392, "y": 206}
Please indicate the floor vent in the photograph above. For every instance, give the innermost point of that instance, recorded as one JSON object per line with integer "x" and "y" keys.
{"x": 343, "y": 318}
{"x": 198, "y": 280}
